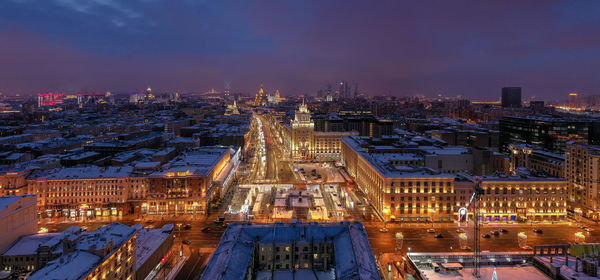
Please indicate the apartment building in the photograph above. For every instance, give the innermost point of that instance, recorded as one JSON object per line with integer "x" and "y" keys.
{"x": 582, "y": 170}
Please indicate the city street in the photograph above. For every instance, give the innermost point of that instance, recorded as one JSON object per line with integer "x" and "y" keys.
{"x": 268, "y": 164}
{"x": 418, "y": 239}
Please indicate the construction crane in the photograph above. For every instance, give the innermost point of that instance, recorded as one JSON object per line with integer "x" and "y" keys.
{"x": 463, "y": 212}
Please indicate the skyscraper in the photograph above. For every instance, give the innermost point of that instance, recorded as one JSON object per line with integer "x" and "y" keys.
{"x": 511, "y": 97}
{"x": 573, "y": 99}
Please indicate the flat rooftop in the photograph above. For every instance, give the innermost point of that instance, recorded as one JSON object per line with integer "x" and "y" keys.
{"x": 83, "y": 172}
{"x": 381, "y": 162}
{"x": 354, "y": 258}
{"x": 503, "y": 272}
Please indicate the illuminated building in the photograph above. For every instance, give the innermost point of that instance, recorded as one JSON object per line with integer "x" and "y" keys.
{"x": 14, "y": 183}
{"x": 308, "y": 144}
{"x": 516, "y": 198}
{"x": 293, "y": 251}
{"x": 93, "y": 98}
{"x": 549, "y": 133}
{"x": 583, "y": 172}
{"x": 277, "y": 97}
{"x": 189, "y": 183}
{"x": 260, "y": 99}
{"x": 399, "y": 192}
{"x": 362, "y": 122}
{"x": 573, "y": 99}
{"x": 303, "y": 133}
{"x": 107, "y": 253}
{"x": 82, "y": 191}
{"x": 149, "y": 94}
{"x": 36, "y": 251}
{"x": 50, "y": 99}
{"x": 530, "y": 157}
{"x": 232, "y": 109}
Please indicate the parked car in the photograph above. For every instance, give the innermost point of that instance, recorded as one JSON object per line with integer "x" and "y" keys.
{"x": 431, "y": 230}
{"x": 187, "y": 227}
{"x": 538, "y": 230}
{"x": 494, "y": 232}
{"x": 186, "y": 242}
{"x": 485, "y": 235}
{"x": 383, "y": 230}
{"x": 439, "y": 236}
{"x": 206, "y": 229}
{"x": 503, "y": 230}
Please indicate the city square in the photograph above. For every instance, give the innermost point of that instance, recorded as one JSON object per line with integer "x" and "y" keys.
{"x": 311, "y": 140}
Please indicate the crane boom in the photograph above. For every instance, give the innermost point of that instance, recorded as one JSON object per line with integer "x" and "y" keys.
{"x": 474, "y": 202}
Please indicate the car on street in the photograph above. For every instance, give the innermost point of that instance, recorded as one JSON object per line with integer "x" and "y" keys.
{"x": 485, "y": 235}
{"x": 186, "y": 242}
{"x": 538, "y": 230}
{"x": 383, "y": 230}
{"x": 187, "y": 227}
{"x": 503, "y": 230}
{"x": 206, "y": 229}
{"x": 494, "y": 232}
{"x": 460, "y": 230}
{"x": 431, "y": 230}
{"x": 439, "y": 236}
{"x": 587, "y": 229}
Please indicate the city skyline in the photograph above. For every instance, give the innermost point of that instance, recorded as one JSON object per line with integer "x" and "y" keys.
{"x": 401, "y": 49}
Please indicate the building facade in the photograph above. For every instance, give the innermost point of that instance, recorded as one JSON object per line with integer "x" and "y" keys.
{"x": 293, "y": 251}
{"x": 18, "y": 217}
{"x": 107, "y": 253}
{"x": 89, "y": 191}
{"x": 529, "y": 157}
{"x": 549, "y": 133}
{"x": 307, "y": 144}
{"x": 401, "y": 193}
{"x": 519, "y": 198}
{"x": 582, "y": 170}
{"x": 188, "y": 184}
{"x": 303, "y": 134}
{"x": 511, "y": 97}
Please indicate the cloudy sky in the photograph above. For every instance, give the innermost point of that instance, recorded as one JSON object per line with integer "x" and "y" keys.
{"x": 425, "y": 47}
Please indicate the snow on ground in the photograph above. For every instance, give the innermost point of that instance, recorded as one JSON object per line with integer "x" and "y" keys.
{"x": 568, "y": 271}
{"x": 503, "y": 272}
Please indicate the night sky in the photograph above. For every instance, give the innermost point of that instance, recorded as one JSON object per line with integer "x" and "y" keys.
{"x": 473, "y": 48}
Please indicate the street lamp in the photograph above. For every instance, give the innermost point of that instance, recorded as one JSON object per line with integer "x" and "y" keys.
{"x": 531, "y": 212}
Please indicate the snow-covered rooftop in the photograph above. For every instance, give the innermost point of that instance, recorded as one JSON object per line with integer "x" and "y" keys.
{"x": 199, "y": 162}
{"x": 8, "y": 200}
{"x": 68, "y": 267}
{"x": 354, "y": 258}
{"x": 83, "y": 172}
{"x": 148, "y": 240}
{"x": 27, "y": 245}
{"x": 82, "y": 261}
{"x": 381, "y": 162}
{"x": 502, "y": 272}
